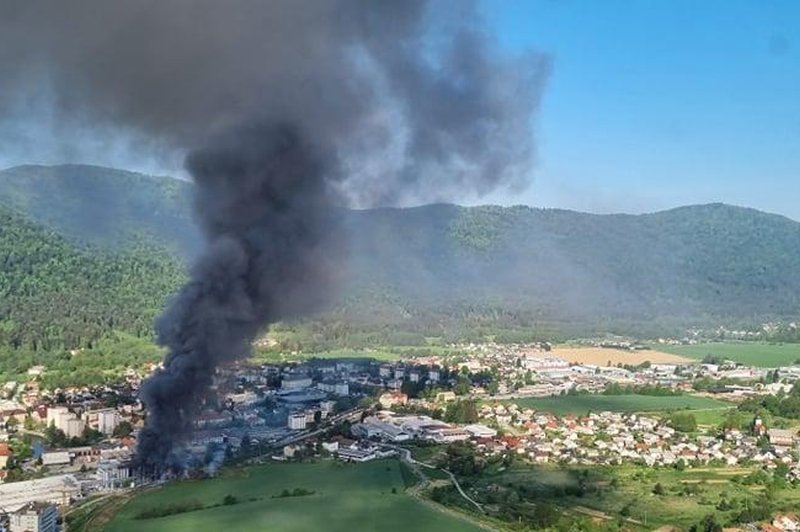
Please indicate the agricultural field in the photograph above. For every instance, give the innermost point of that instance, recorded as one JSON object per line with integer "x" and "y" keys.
{"x": 645, "y": 498}
{"x": 321, "y": 496}
{"x": 749, "y": 353}
{"x": 601, "y": 356}
{"x": 380, "y": 355}
{"x": 581, "y": 404}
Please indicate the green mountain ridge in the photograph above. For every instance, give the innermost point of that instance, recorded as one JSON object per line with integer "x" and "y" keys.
{"x": 429, "y": 268}
{"x": 56, "y": 297}
{"x": 105, "y": 207}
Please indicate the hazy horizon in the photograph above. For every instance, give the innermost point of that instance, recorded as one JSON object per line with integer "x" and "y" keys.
{"x": 486, "y": 203}
{"x": 648, "y": 107}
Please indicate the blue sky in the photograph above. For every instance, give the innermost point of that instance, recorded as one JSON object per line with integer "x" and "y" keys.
{"x": 650, "y": 105}
{"x": 657, "y": 104}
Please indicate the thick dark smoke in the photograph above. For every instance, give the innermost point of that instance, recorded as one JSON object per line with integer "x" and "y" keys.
{"x": 265, "y": 209}
{"x": 285, "y": 108}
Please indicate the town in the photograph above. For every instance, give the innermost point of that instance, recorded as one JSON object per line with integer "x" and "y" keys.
{"x": 59, "y": 448}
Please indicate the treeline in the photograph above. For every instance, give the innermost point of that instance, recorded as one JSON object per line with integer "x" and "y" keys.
{"x": 781, "y": 405}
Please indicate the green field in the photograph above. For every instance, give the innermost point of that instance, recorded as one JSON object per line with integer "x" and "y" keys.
{"x": 626, "y": 492}
{"x": 749, "y": 353}
{"x": 581, "y": 404}
{"x": 346, "y": 497}
{"x": 344, "y": 354}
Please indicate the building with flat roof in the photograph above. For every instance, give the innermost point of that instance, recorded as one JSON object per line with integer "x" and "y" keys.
{"x": 34, "y": 517}
{"x": 105, "y": 420}
{"x": 295, "y": 381}
{"x": 60, "y": 490}
{"x": 297, "y": 421}
{"x": 55, "y": 458}
{"x": 480, "y": 431}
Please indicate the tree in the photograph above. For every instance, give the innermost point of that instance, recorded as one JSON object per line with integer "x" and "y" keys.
{"x": 463, "y": 386}
{"x": 123, "y": 429}
{"x": 683, "y": 422}
{"x": 707, "y": 524}
{"x": 658, "y": 489}
{"x": 464, "y": 411}
{"x": 545, "y": 515}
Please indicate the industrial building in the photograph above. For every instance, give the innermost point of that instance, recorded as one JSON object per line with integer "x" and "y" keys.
{"x": 59, "y": 490}
{"x": 34, "y": 517}
{"x": 112, "y": 474}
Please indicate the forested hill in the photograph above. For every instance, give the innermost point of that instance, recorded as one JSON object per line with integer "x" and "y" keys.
{"x": 420, "y": 267}
{"x": 56, "y": 297}
{"x": 103, "y": 206}
{"x": 687, "y": 263}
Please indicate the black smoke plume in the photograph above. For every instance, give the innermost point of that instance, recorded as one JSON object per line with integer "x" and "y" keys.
{"x": 265, "y": 209}
{"x": 286, "y": 109}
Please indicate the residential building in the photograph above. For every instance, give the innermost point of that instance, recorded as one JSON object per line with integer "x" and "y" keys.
{"x": 104, "y": 421}
{"x": 297, "y": 421}
{"x": 5, "y": 455}
{"x": 780, "y": 437}
{"x": 341, "y": 389}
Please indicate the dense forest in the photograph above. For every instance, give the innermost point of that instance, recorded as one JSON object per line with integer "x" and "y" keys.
{"x": 92, "y": 253}
{"x": 56, "y": 298}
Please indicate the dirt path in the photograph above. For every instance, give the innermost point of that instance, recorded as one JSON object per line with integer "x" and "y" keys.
{"x": 107, "y": 507}
{"x": 597, "y": 514}
{"x": 415, "y": 492}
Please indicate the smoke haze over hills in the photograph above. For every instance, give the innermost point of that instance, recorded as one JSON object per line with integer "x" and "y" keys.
{"x": 285, "y": 110}
{"x": 442, "y": 263}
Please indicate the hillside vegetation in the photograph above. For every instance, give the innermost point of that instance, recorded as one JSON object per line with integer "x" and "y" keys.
{"x": 56, "y": 298}
{"x": 105, "y": 207}
{"x": 89, "y": 252}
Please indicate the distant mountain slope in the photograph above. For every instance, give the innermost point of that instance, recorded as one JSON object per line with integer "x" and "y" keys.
{"x": 689, "y": 263}
{"x": 55, "y": 296}
{"x": 420, "y": 266}
{"x": 102, "y": 206}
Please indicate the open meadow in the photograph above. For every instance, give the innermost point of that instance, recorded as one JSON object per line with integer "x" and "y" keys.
{"x": 749, "y": 353}
{"x": 581, "y": 404}
{"x": 645, "y": 498}
{"x": 272, "y": 357}
{"x": 330, "y": 496}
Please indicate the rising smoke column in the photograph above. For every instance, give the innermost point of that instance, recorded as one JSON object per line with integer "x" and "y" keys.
{"x": 265, "y": 209}
{"x": 285, "y": 110}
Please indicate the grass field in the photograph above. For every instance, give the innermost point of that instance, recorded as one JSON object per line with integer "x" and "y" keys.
{"x": 357, "y": 354}
{"x": 627, "y": 491}
{"x": 581, "y": 404}
{"x": 346, "y": 497}
{"x": 749, "y": 353}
